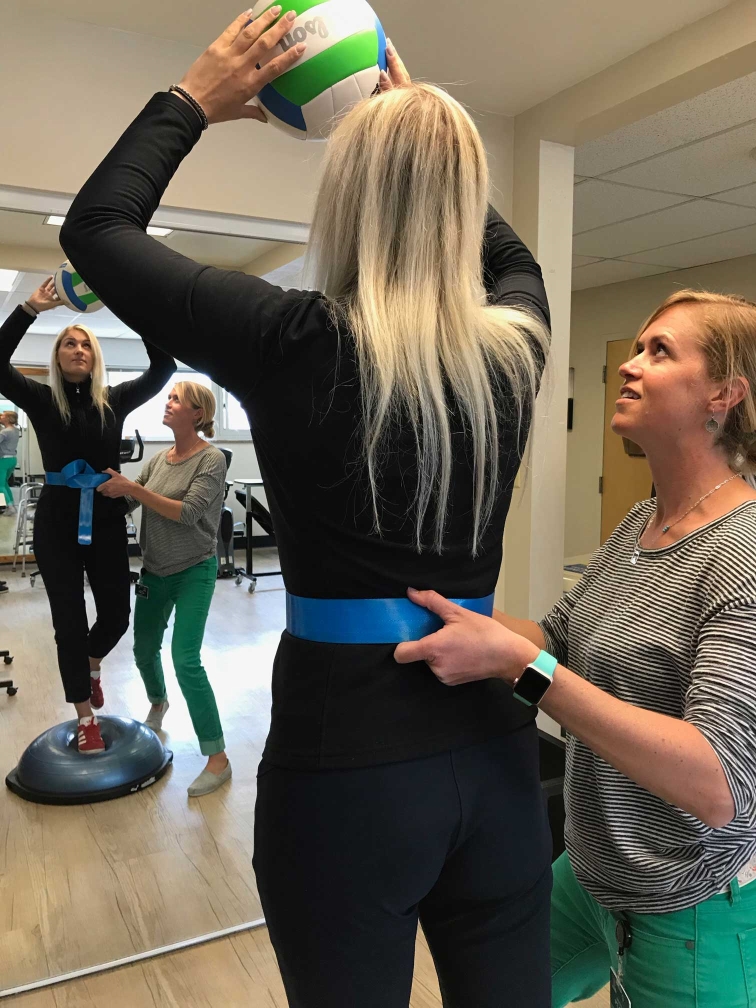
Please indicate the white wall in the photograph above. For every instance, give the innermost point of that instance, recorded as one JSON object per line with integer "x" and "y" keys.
{"x": 599, "y": 315}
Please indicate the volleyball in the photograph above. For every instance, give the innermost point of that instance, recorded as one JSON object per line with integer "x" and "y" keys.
{"x": 346, "y": 51}
{"x": 73, "y": 292}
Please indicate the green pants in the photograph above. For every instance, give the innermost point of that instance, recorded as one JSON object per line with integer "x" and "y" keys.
{"x": 7, "y": 465}
{"x": 704, "y": 957}
{"x": 190, "y": 592}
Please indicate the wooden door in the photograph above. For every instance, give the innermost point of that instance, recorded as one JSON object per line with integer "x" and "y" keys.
{"x": 626, "y": 479}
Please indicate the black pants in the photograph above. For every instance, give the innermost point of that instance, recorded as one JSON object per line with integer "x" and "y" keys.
{"x": 347, "y": 861}
{"x": 62, "y": 562}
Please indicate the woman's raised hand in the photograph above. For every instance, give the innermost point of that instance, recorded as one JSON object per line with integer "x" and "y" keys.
{"x": 398, "y": 75}
{"x": 44, "y": 297}
{"x": 226, "y": 76}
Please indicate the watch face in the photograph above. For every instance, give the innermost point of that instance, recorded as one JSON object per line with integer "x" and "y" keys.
{"x": 532, "y": 685}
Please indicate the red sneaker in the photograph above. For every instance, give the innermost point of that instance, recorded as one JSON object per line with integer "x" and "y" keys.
{"x": 96, "y": 699}
{"x": 89, "y": 737}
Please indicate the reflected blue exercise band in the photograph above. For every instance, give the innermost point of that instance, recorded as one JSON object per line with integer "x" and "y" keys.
{"x": 367, "y": 621}
{"x": 79, "y": 475}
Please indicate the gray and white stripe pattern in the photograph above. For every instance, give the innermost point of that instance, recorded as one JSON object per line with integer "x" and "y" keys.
{"x": 199, "y": 483}
{"x": 676, "y": 634}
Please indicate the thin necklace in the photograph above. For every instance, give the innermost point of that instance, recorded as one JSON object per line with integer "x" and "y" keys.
{"x": 637, "y": 550}
{"x": 187, "y": 454}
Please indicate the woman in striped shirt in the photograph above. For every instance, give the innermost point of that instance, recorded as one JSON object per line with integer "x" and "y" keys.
{"x": 653, "y": 677}
{"x": 181, "y": 493}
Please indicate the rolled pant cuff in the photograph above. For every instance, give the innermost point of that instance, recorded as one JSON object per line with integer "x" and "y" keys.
{"x": 213, "y": 747}
{"x": 156, "y": 700}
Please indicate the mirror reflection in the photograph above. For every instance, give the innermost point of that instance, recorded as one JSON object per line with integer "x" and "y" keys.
{"x": 120, "y": 880}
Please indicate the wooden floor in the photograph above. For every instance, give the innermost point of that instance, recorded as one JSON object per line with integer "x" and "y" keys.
{"x": 156, "y": 867}
{"x": 238, "y": 972}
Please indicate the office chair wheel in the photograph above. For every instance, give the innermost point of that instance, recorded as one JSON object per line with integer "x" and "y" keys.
{"x": 252, "y": 586}
{"x": 12, "y": 690}
{"x": 32, "y": 579}
{"x": 238, "y": 579}
{"x": 8, "y": 659}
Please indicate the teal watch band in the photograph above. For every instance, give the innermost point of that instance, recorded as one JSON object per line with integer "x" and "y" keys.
{"x": 535, "y": 680}
{"x": 545, "y": 663}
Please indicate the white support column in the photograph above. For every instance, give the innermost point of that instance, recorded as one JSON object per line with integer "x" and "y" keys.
{"x": 549, "y": 433}
{"x": 532, "y": 575}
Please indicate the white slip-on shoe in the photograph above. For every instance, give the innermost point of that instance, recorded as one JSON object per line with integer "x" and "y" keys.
{"x": 208, "y": 781}
{"x": 154, "y": 719}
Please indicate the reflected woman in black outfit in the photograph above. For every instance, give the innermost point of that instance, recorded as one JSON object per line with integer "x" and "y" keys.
{"x": 77, "y": 417}
{"x": 390, "y": 414}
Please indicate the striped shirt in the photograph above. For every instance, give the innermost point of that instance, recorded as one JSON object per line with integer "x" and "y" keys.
{"x": 675, "y": 634}
{"x": 172, "y": 546}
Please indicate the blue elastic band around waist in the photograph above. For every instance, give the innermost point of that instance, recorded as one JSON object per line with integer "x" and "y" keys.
{"x": 368, "y": 621}
{"x": 79, "y": 475}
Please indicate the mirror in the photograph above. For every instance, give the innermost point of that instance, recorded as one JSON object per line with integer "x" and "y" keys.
{"x": 87, "y": 884}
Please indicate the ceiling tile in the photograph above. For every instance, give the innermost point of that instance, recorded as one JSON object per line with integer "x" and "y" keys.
{"x": 610, "y": 271}
{"x": 743, "y": 196}
{"x": 719, "y": 163}
{"x": 598, "y": 203}
{"x": 578, "y": 260}
{"x": 714, "y": 248}
{"x": 721, "y": 108}
{"x": 675, "y": 224}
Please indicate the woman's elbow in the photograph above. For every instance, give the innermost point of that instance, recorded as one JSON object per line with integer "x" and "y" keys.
{"x": 719, "y": 808}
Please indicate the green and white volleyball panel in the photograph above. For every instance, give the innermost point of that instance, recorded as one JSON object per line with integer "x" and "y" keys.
{"x": 346, "y": 50}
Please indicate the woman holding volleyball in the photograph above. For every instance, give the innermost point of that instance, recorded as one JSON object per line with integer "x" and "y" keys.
{"x": 390, "y": 410}
{"x": 78, "y": 421}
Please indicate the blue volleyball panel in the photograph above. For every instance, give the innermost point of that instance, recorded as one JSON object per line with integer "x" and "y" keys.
{"x": 71, "y": 294}
{"x": 282, "y": 108}
{"x": 382, "y": 62}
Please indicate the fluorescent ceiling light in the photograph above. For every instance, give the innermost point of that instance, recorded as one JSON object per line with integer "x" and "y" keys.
{"x": 7, "y": 279}
{"x": 158, "y": 232}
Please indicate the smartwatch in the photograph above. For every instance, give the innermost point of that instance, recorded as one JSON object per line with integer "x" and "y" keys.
{"x": 532, "y": 685}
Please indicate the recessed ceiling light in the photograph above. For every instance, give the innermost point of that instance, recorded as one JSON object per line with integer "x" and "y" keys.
{"x": 7, "y": 279}
{"x": 54, "y": 220}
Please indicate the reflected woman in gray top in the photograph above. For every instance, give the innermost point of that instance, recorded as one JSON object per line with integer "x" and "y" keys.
{"x": 181, "y": 492}
{"x": 9, "y": 435}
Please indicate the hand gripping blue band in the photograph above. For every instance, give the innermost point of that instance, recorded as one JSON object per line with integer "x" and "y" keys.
{"x": 367, "y": 621}
{"x": 79, "y": 475}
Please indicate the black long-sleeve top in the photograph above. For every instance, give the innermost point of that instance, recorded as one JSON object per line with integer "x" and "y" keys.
{"x": 86, "y": 436}
{"x": 280, "y": 354}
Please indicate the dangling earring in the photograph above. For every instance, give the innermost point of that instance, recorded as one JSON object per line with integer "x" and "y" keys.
{"x": 712, "y": 425}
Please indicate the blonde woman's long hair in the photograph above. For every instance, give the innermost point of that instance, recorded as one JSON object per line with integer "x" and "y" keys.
{"x": 727, "y": 336}
{"x": 395, "y": 245}
{"x": 98, "y": 391}
{"x": 201, "y": 398}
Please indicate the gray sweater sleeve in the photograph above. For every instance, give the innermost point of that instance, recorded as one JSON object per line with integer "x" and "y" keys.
{"x": 206, "y": 485}
{"x": 141, "y": 479}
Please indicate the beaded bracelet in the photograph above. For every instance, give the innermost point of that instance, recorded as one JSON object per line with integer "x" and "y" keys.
{"x": 193, "y": 102}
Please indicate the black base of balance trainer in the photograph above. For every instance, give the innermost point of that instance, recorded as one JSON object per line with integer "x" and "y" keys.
{"x": 52, "y": 771}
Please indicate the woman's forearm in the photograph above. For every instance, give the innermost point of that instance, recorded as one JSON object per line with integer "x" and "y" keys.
{"x": 666, "y": 756}
{"x": 525, "y": 628}
{"x": 165, "y": 506}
